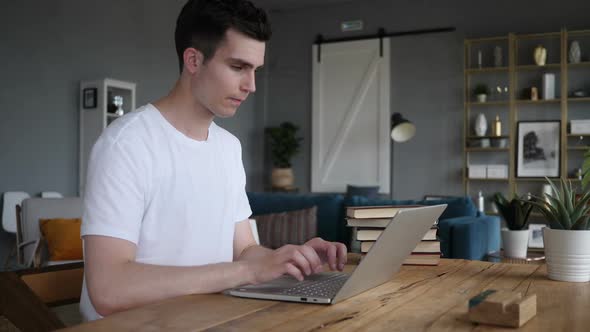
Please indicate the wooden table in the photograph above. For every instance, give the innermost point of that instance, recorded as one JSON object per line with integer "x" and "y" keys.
{"x": 418, "y": 298}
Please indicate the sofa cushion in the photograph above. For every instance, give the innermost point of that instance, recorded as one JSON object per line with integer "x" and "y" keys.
{"x": 330, "y": 214}
{"x": 457, "y": 206}
{"x": 468, "y": 237}
{"x": 294, "y": 227}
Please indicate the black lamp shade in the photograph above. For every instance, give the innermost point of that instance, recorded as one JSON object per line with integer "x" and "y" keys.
{"x": 402, "y": 130}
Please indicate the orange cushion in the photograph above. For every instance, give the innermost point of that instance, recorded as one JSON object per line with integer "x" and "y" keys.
{"x": 62, "y": 237}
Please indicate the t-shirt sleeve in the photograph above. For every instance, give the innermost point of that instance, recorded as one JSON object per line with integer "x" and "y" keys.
{"x": 243, "y": 210}
{"x": 114, "y": 193}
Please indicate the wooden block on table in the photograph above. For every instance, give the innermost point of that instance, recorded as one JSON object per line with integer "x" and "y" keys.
{"x": 502, "y": 308}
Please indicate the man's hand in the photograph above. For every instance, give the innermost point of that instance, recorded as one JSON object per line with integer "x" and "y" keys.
{"x": 333, "y": 253}
{"x": 298, "y": 261}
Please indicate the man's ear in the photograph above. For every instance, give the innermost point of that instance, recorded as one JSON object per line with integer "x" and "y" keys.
{"x": 193, "y": 59}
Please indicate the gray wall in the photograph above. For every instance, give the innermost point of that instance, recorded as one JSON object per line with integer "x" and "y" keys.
{"x": 47, "y": 48}
{"x": 427, "y": 81}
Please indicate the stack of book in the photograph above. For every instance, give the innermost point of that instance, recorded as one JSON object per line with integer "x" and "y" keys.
{"x": 368, "y": 222}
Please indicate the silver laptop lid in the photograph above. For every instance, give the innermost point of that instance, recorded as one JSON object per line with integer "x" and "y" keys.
{"x": 394, "y": 245}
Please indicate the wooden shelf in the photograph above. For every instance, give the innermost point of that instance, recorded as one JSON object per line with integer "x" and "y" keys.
{"x": 513, "y": 107}
{"x": 113, "y": 115}
{"x": 537, "y": 67}
{"x": 487, "y": 179}
{"x": 539, "y": 35}
{"x": 581, "y": 148}
{"x": 540, "y": 101}
{"x": 579, "y": 64}
{"x": 486, "y": 39}
{"x": 578, "y": 99}
{"x": 485, "y": 149}
{"x": 489, "y": 103}
{"x": 481, "y": 137}
{"x": 487, "y": 70}
{"x": 533, "y": 179}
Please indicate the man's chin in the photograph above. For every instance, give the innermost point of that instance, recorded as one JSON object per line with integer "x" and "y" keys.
{"x": 225, "y": 113}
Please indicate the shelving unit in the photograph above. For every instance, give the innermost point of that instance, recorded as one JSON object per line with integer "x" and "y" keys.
{"x": 96, "y": 117}
{"x": 517, "y": 74}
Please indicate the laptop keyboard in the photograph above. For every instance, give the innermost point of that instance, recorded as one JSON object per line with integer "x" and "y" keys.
{"x": 325, "y": 287}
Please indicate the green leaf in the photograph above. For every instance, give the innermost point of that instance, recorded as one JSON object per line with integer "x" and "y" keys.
{"x": 586, "y": 170}
{"x": 582, "y": 224}
{"x": 545, "y": 209}
{"x": 567, "y": 197}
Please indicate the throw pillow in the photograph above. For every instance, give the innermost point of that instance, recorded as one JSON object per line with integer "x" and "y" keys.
{"x": 63, "y": 238}
{"x": 370, "y": 192}
{"x": 294, "y": 227}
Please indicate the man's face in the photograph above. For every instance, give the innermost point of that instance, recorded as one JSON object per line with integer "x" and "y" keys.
{"x": 227, "y": 78}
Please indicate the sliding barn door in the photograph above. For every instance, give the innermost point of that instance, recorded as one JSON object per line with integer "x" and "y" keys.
{"x": 351, "y": 115}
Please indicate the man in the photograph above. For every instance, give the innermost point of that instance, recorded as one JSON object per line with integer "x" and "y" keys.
{"x": 165, "y": 205}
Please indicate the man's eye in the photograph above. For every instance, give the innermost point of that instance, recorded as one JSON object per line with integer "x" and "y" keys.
{"x": 236, "y": 67}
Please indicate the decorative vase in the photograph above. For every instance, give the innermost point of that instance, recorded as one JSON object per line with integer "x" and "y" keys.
{"x": 481, "y": 98}
{"x": 540, "y": 55}
{"x": 534, "y": 93}
{"x": 497, "y": 127}
{"x": 481, "y": 125}
{"x": 515, "y": 243}
{"x": 575, "y": 53}
{"x": 282, "y": 177}
{"x": 118, "y": 102}
{"x": 498, "y": 56}
{"x": 567, "y": 254}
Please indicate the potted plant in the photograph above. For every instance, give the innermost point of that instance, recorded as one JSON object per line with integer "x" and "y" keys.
{"x": 567, "y": 239}
{"x": 284, "y": 144}
{"x": 515, "y": 236}
{"x": 481, "y": 92}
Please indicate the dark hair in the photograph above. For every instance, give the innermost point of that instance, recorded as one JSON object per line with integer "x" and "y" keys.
{"x": 202, "y": 24}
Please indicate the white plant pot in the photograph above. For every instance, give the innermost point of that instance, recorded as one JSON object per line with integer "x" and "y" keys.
{"x": 481, "y": 98}
{"x": 282, "y": 177}
{"x": 567, "y": 254}
{"x": 515, "y": 243}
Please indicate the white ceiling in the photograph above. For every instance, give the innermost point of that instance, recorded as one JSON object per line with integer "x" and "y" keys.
{"x": 290, "y": 4}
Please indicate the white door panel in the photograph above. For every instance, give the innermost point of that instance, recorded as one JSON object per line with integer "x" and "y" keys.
{"x": 350, "y": 121}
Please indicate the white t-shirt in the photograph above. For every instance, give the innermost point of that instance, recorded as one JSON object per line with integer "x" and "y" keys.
{"x": 175, "y": 198}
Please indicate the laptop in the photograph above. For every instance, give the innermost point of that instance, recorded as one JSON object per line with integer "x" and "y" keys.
{"x": 382, "y": 261}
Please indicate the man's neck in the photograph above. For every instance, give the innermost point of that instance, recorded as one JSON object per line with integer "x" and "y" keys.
{"x": 184, "y": 114}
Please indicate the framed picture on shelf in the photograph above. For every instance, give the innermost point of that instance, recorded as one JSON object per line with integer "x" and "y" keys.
{"x": 536, "y": 236}
{"x": 538, "y": 149}
{"x": 89, "y": 98}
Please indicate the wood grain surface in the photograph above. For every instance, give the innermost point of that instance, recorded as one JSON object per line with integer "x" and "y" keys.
{"x": 418, "y": 298}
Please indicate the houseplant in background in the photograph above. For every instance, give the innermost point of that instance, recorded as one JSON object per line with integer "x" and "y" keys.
{"x": 515, "y": 237}
{"x": 284, "y": 144}
{"x": 567, "y": 239}
{"x": 481, "y": 92}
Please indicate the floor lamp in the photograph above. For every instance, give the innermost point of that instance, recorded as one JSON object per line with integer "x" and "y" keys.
{"x": 402, "y": 130}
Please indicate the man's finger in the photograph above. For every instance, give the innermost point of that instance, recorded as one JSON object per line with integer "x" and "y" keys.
{"x": 301, "y": 261}
{"x": 342, "y": 255}
{"x": 294, "y": 271}
{"x": 312, "y": 257}
{"x": 332, "y": 253}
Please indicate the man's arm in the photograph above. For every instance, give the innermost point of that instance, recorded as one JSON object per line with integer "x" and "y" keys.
{"x": 116, "y": 282}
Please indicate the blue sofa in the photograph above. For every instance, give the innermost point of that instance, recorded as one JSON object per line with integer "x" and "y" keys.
{"x": 463, "y": 231}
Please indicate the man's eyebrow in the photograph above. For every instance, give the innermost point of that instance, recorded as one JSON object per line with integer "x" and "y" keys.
{"x": 243, "y": 63}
